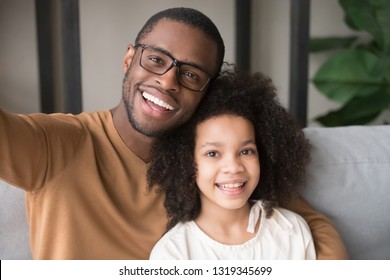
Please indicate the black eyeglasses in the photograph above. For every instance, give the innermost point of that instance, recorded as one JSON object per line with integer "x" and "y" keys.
{"x": 160, "y": 62}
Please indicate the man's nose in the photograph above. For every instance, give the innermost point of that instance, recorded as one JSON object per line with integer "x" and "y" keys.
{"x": 169, "y": 80}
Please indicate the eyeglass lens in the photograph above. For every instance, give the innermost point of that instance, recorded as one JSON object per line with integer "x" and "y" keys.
{"x": 159, "y": 63}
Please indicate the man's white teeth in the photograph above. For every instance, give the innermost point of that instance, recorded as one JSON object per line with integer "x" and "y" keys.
{"x": 231, "y": 186}
{"x": 157, "y": 101}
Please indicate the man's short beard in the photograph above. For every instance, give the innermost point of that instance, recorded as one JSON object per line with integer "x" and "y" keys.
{"x": 137, "y": 127}
{"x": 133, "y": 122}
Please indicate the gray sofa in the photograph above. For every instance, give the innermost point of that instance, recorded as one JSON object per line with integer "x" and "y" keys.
{"x": 348, "y": 180}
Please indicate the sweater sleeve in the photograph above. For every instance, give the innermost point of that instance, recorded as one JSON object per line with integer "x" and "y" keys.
{"x": 327, "y": 241}
{"x": 35, "y": 148}
{"x": 22, "y": 151}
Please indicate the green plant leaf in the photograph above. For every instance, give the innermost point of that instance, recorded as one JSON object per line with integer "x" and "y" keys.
{"x": 359, "y": 111}
{"x": 382, "y": 67}
{"x": 348, "y": 74}
{"x": 370, "y": 46}
{"x": 383, "y": 17}
{"x": 347, "y": 17}
{"x": 372, "y": 16}
{"x": 329, "y": 43}
{"x": 337, "y": 118}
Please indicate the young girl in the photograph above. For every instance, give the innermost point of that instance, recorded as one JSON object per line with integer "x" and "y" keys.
{"x": 225, "y": 171}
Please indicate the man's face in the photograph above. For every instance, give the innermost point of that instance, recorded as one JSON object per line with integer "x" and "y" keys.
{"x": 157, "y": 103}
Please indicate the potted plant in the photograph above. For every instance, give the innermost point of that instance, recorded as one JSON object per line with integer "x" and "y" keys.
{"x": 357, "y": 75}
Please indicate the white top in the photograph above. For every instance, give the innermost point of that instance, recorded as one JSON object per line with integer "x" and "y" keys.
{"x": 283, "y": 236}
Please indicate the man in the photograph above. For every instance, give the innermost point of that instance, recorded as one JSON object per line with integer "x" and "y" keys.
{"x": 85, "y": 175}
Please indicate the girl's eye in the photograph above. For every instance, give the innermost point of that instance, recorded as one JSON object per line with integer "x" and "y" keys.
{"x": 248, "y": 152}
{"x": 212, "y": 154}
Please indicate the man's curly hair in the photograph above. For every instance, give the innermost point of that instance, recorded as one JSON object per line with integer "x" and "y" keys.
{"x": 283, "y": 148}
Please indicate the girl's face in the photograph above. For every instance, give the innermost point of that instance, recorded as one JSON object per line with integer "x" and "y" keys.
{"x": 227, "y": 160}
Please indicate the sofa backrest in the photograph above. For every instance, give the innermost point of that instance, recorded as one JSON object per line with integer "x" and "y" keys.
{"x": 349, "y": 181}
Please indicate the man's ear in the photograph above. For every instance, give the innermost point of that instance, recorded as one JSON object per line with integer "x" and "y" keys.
{"x": 128, "y": 57}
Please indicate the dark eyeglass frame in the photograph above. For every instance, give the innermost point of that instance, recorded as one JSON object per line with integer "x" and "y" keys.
{"x": 174, "y": 63}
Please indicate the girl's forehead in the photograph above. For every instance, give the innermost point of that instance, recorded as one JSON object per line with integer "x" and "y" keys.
{"x": 223, "y": 126}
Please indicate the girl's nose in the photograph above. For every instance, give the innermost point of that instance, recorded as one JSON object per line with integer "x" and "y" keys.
{"x": 233, "y": 164}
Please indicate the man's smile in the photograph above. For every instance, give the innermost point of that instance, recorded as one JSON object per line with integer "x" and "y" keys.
{"x": 147, "y": 96}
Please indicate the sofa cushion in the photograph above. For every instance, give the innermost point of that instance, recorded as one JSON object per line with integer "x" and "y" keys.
{"x": 14, "y": 236}
{"x": 349, "y": 181}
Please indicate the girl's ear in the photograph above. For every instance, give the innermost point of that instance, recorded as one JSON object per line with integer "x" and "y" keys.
{"x": 128, "y": 57}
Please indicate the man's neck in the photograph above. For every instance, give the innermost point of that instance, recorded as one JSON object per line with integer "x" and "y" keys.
{"x": 138, "y": 143}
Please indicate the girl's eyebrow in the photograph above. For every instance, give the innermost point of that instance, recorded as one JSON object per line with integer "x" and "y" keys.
{"x": 250, "y": 141}
{"x": 213, "y": 144}
{"x": 220, "y": 144}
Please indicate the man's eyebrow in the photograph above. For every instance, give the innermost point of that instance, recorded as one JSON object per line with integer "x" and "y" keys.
{"x": 185, "y": 62}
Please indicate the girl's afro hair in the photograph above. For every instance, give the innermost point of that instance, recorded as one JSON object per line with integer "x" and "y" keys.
{"x": 283, "y": 148}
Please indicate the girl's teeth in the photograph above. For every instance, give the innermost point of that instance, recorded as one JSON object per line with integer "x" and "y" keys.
{"x": 231, "y": 186}
{"x": 157, "y": 101}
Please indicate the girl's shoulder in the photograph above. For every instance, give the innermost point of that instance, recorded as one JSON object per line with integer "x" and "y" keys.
{"x": 287, "y": 220}
{"x": 173, "y": 243}
{"x": 281, "y": 218}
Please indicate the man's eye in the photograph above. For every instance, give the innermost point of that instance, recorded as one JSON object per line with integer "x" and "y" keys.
{"x": 190, "y": 76}
{"x": 156, "y": 60}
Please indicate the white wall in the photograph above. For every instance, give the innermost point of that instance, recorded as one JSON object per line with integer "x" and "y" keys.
{"x": 270, "y": 42}
{"x": 19, "y": 86}
{"x": 107, "y": 27}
